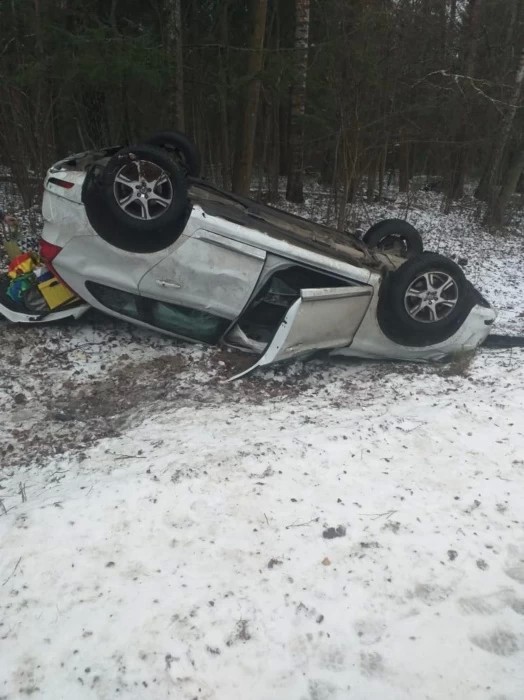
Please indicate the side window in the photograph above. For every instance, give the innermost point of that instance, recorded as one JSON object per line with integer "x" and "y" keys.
{"x": 190, "y": 323}
{"x": 116, "y": 300}
{"x": 180, "y": 320}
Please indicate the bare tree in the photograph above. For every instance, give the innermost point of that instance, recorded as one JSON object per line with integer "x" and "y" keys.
{"x": 455, "y": 188}
{"x": 508, "y": 187}
{"x": 246, "y": 141}
{"x": 295, "y": 186}
{"x": 174, "y": 49}
{"x": 502, "y": 140}
{"x": 223, "y": 78}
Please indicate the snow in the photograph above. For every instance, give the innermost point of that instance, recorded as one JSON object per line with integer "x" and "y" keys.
{"x": 161, "y": 530}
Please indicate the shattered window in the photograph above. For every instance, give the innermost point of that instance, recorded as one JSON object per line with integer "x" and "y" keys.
{"x": 188, "y": 322}
{"x": 180, "y": 320}
{"x": 116, "y": 300}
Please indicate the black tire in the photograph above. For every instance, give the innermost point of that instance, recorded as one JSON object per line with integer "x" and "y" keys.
{"x": 164, "y": 202}
{"x": 185, "y": 151}
{"x": 395, "y": 236}
{"x": 419, "y": 321}
{"x": 119, "y": 229}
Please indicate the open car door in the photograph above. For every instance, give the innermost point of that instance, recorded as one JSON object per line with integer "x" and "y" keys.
{"x": 320, "y": 319}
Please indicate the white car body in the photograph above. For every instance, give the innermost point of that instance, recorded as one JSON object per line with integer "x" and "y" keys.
{"x": 221, "y": 260}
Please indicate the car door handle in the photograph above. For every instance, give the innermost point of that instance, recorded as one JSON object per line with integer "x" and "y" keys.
{"x": 167, "y": 283}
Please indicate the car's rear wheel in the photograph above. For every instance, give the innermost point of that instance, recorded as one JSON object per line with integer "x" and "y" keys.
{"x": 394, "y": 236}
{"x": 181, "y": 148}
{"x": 138, "y": 202}
{"x": 144, "y": 188}
{"x": 425, "y": 301}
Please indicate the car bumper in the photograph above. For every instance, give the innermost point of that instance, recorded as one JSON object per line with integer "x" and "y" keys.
{"x": 72, "y": 312}
{"x": 371, "y": 343}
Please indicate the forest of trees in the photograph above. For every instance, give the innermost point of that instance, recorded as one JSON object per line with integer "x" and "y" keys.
{"x": 346, "y": 91}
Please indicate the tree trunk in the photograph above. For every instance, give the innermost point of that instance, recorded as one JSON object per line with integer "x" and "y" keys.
{"x": 403, "y": 175}
{"x": 174, "y": 50}
{"x": 372, "y": 179}
{"x": 224, "y": 118}
{"x": 455, "y": 188}
{"x": 246, "y": 142}
{"x": 503, "y": 137}
{"x": 43, "y": 104}
{"x": 513, "y": 13}
{"x": 509, "y": 186}
{"x": 295, "y": 184}
{"x": 273, "y": 155}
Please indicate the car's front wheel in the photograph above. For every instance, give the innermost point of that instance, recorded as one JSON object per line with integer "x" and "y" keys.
{"x": 425, "y": 301}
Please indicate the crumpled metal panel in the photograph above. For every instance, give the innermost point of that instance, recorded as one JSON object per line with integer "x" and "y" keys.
{"x": 206, "y": 272}
{"x": 321, "y": 319}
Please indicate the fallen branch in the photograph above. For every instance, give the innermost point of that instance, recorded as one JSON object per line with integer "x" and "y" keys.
{"x": 313, "y": 520}
{"x": 13, "y": 572}
{"x": 387, "y": 514}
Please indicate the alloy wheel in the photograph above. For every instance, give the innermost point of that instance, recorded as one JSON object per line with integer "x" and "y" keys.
{"x": 431, "y": 297}
{"x": 143, "y": 190}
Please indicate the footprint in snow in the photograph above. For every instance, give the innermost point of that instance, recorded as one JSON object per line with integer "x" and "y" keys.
{"x": 516, "y": 572}
{"x": 515, "y": 563}
{"x": 429, "y": 593}
{"x": 492, "y": 603}
{"x": 498, "y": 642}
{"x": 372, "y": 664}
{"x": 369, "y": 631}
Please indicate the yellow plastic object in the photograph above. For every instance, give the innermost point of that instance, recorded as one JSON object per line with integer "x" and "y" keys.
{"x": 55, "y": 293}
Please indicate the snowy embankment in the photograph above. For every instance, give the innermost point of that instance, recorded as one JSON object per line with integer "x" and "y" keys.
{"x": 167, "y": 535}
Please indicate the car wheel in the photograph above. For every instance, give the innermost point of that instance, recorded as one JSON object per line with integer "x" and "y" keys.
{"x": 394, "y": 236}
{"x": 425, "y": 301}
{"x": 144, "y": 189}
{"x": 178, "y": 145}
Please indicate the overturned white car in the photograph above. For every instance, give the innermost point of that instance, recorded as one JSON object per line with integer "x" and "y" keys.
{"x": 135, "y": 233}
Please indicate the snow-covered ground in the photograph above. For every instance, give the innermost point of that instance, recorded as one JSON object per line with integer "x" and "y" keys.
{"x": 164, "y": 534}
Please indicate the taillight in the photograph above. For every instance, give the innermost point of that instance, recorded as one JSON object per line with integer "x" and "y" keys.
{"x": 61, "y": 183}
{"x": 48, "y": 251}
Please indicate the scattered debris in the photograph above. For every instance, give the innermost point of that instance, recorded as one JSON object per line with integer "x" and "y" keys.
{"x": 333, "y": 532}
{"x": 273, "y": 562}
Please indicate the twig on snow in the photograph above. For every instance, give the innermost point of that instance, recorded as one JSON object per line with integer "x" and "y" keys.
{"x": 117, "y": 456}
{"x": 13, "y": 572}
{"x": 387, "y": 514}
{"x": 77, "y": 347}
{"x": 313, "y": 520}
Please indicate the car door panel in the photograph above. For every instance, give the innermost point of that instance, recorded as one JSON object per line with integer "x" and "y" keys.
{"x": 320, "y": 319}
{"x": 87, "y": 258}
{"x": 208, "y": 272}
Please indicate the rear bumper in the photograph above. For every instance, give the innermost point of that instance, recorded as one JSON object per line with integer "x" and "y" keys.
{"x": 73, "y": 312}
